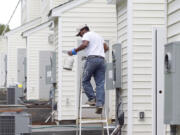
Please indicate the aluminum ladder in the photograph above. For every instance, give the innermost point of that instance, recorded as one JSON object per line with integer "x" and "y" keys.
{"x": 103, "y": 119}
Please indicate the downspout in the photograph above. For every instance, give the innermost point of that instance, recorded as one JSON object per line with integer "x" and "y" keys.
{"x": 59, "y": 68}
{"x": 5, "y": 83}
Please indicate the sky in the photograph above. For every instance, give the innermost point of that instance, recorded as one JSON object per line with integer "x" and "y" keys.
{"x": 6, "y": 9}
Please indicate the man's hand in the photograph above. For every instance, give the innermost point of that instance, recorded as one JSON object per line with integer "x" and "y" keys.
{"x": 106, "y": 48}
{"x": 70, "y": 53}
{"x": 81, "y": 47}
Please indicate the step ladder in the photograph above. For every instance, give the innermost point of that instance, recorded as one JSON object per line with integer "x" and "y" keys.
{"x": 102, "y": 120}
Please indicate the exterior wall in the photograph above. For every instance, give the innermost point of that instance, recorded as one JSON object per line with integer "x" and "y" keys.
{"x": 47, "y": 5}
{"x": 101, "y": 18}
{"x": 45, "y": 8}
{"x": 3, "y": 45}
{"x": 30, "y": 10}
{"x": 122, "y": 38}
{"x": 15, "y": 41}
{"x": 3, "y": 52}
{"x": 173, "y": 20}
{"x": 36, "y": 42}
{"x": 23, "y": 11}
{"x": 33, "y": 9}
{"x": 56, "y": 3}
{"x": 146, "y": 15}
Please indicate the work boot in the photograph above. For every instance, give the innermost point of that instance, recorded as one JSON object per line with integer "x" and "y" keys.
{"x": 91, "y": 102}
{"x": 99, "y": 110}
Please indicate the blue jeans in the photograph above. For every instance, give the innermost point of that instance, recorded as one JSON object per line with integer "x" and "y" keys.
{"x": 94, "y": 66}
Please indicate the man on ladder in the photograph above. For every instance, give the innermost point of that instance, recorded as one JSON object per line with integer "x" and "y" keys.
{"x": 95, "y": 48}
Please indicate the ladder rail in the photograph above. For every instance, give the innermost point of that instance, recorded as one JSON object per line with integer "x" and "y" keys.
{"x": 103, "y": 124}
{"x": 80, "y": 123}
{"x": 107, "y": 125}
{"x": 79, "y": 106}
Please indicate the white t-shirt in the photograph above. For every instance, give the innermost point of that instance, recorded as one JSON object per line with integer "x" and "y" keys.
{"x": 96, "y": 44}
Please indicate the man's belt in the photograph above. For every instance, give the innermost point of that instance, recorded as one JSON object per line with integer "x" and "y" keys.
{"x": 95, "y": 56}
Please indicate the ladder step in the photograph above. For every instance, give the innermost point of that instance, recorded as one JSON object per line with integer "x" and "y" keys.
{"x": 88, "y": 106}
{"x": 93, "y": 121}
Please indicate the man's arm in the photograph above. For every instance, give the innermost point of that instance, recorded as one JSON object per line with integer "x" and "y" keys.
{"x": 84, "y": 44}
{"x": 106, "y": 48}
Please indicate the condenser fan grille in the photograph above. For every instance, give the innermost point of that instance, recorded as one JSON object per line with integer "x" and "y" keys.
{"x": 7, "y": 125}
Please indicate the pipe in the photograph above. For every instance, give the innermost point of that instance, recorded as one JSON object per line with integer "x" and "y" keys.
{"x": 117, "y": 130}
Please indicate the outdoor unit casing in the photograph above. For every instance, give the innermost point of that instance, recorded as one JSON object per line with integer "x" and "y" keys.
{"x": 172, "y": 84}
{"x": 13, "y": 94}
{"x": 12, "y": 123}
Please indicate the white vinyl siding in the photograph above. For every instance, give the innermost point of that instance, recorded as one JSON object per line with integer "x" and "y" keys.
{"x": 3, "y": 45}
{"x": 3, "y": 52}
{"x": 146, "y": 15}
{"x": 173, "y": 20}
{"x": 15, "y": 41}
{"x": 122, "y": 38}
{"x": 56, "y": 3}
{"x": 30, "y": 10}
{"x": 101, "y": 18}
{"x": 45, "y": 8}
{"x": 36, "y": 42}
{"x": 23, "y": 11}
{"x": 33, "y": 10}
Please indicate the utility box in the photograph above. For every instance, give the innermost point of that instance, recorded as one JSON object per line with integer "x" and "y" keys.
{"x": 113, "y": 70}
{"x": 21, "y": 67}
{"x": 116, "y": 59}
{"x": 109, "y": 76}
{"x": 47, "y": 73}
{"x": 172, "y": 84}
{"x": 51, "y": 69}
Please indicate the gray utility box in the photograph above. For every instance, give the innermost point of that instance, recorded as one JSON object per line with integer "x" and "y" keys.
{"x": 47, "y": 73}
{"x": 22, "y": 66}
{"x": 13, "y": 94}
{"x": 116, "y": 58}
{"x": 113, "y": 70}
{"x": 12, "y": 123}
{"x": 51, "y": 69}
{"x": 172, "y": 84}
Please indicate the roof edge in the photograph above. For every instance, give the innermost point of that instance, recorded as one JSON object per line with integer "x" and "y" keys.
{"x": 115, "y": 1}
{"x": 22, "y": 26}
{"x": 36, "y": 28}
{"x": 57, "y": 11}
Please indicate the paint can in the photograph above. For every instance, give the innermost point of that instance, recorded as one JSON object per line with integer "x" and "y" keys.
{"x": 68, "y": 63}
